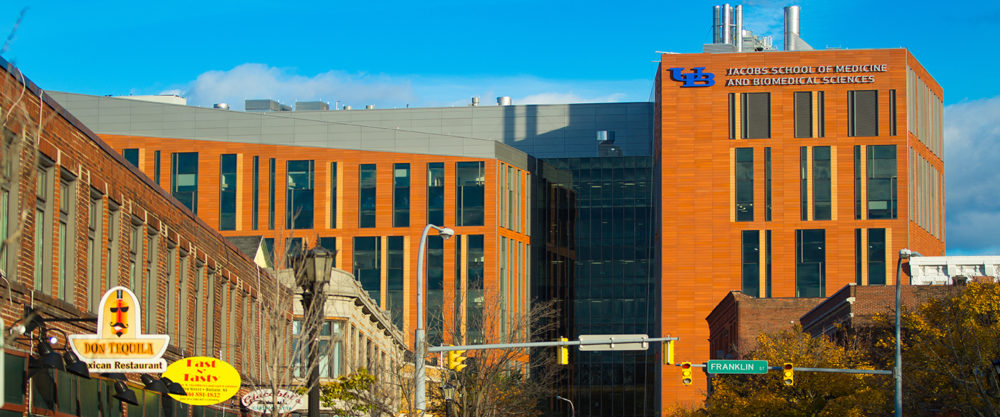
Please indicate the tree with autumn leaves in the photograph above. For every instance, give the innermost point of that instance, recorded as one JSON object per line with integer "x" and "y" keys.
{"x": 951, "y": 350}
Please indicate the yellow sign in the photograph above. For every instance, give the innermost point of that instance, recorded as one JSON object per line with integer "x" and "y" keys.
{"x": 119, "y": 345}
{"x": 206, "y": 380}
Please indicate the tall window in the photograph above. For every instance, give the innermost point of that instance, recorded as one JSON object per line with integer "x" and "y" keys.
{"x": 822, "y": 200}
{"x": 135, "y": 255}
{"x": 396, "y": 265}
{"x": 470, "y": 193}
{"x": 151, "y": 280}
{"x": 270, "y": 194}
{"x": 881, "y": 180}
{"x": 227, "y": 192}
{"x": 744, "y": 184}
{"x": 803, "y": 114}
{"x": 132, "y": 156}
{"x": 862, "y": 113}
{"x": 170, "y": 287}
{"x": 892, "y": 112}
{"x": 767, "y": 263}
{"x": 401, "y": 195}
{"x": 368, "y": 265}
{"x": 767, "y": 184}
{"x": 810, "y": 263}
{"x": 876, "y": 257}
{"x": 474, "y": 295}
{"x": 435, "y": 193}
{"x": 183, "y": 313}
{"x": 435, "y": 289}
{"x": 255, "y": 190}
{"x": 751, "y": 262}
{"x": 809, "y": 114}
{"x": 803, "y": 183}
{"x": 333, "y": 195}
{"x": 184, "y": 179}
{"x": 67, "y": 233}
{"x": 367, "y": 195}
{"x": 94, "y": 225}
{"x": 857, "y": 182}
{"x": 199, "y": 307}
{"x": 756, "y": 115}
{"x": 43, "y": 226}
{"x": 299, "y": 202}
{"x": 114, "y": 239}
{"x": 156, "y": 167}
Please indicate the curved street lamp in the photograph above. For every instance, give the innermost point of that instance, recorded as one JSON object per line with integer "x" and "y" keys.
{"x": 419, "y": 391}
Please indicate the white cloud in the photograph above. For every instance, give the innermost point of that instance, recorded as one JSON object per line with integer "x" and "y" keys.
{"x": 972, "y": 176}
{"x": 249, "y": 81}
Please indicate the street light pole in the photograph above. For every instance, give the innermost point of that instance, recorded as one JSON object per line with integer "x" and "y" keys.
{"x": 312, "y": 275}
{"x": 572, "y": 410}
{"x": 420, "y": 384}
{"x": 898, "y": 369}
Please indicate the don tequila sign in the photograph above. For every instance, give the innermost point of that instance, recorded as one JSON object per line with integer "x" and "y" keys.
{"x": 119, "y": 344}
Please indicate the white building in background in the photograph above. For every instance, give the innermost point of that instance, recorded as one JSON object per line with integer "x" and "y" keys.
{"x": 942, "y": 270}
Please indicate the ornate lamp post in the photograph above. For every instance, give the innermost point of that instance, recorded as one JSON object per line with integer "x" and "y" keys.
{"x": 312, "y": 273}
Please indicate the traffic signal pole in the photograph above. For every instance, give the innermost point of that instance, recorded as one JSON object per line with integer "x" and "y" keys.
{"x": 433, "y": 349}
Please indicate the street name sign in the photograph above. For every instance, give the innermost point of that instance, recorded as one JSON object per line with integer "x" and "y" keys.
{"x": 737, "y": 367}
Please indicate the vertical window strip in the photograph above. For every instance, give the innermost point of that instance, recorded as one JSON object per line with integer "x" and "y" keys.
{"x": 803, "y": 121}
{"x": 751, "y": 262}
{"x": 767, "y": 184}
{"x": 270, "y": 194}
{"x": 892, "y": 112}
{"x": 803, "y": 183}
{"x": 732, "y": 115}
{"x": 156, "y": 167}
{"x": 820, "y": 114}
{"x": 300, "y": 184}
{"x": 876, "y": 257}
{"x": 821, "y": 187}
{"x": 95, "y": 225}
{"x": 435, "y": 193}
{"x": 858, "y": 258}
{"x": 744, "y": 184}
{"x": 255, "y": 194}
{"x": 401, "y": 195}
{"x": 767, "y": 262}
{"x": 333, "y": 195}
{"x": 227, "y": 192}
{"x": 367, "y": 194}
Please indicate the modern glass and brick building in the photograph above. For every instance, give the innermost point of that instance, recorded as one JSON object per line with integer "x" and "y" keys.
{"x": 775, "y": 173}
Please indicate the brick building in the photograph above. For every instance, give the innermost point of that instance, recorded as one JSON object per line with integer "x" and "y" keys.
{"x": 788, "y": 174}
{"x": 735, "y": 322}
{"x": 77, "y": 219}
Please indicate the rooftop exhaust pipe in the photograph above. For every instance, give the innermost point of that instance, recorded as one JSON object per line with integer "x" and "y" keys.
{"x": 793, "y": 38}
{"x": 503, "y": 101}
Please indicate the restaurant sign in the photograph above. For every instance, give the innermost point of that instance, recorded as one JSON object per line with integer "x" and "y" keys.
{"x": 263, "y": 401}
{"x": 119, "y": 345}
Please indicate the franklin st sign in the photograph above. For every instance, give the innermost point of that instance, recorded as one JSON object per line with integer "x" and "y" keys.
{"x": 737, "y": 367}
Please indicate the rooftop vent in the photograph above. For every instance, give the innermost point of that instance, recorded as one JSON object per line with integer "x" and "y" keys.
{"x": 503, "y": 101}
{"x": 221, "y": 106}
{"x": 475, "y": 101}
{"x": 369, "y": 107}
{"x": 793, "y": 40}
{"x": 311, "y": 106}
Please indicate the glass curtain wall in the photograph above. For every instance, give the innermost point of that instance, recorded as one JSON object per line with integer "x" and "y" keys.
{"x": 612, "y": 285}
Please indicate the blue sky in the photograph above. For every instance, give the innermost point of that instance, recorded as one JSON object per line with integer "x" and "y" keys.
{"x": 394, "y": 53}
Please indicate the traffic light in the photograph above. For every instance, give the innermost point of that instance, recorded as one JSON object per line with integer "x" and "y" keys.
{"x": 562, "y": 355}
{"x": 686, "y": 376}
{"x": 455, "y": 360}
{"x": 788, "y": 374}
{"x": 668, "y": 352}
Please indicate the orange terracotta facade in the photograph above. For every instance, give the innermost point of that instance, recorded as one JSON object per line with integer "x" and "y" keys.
{"x": 699, "y": 237}
{"x": 347, "y": 218}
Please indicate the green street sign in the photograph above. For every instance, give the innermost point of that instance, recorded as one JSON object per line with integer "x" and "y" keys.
{"x": 737, "y": 367}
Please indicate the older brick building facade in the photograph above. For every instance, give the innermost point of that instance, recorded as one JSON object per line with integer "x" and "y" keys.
{"x": 77, "y": 220}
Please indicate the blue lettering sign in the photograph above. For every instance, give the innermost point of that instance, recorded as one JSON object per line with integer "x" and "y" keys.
{"x": 696, "y": 78}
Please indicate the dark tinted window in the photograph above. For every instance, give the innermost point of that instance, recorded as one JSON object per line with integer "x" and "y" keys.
{"x": 368, "y": 265}
{"x": 227, "y": 192}
{"x": 132, "y": 156}
{"x": 862, "y": 113}
{"x": 810, "y": 263}
{"x": 470, "y": 193}
{"x": 744, "y": 184}
{"x": 803, "y": 114}
{"x": 401, "y": 195}
{"x": 435, "y": 193}
{"x": 876, "y": 257}
{"x": 751, "y": 262}
{"x": 821, "y": 183}
{"x": 881, "y": 180}
{"x": 184, "y": 179}
{"x": 366, "y": 195}
{"x": 299, "y": 202}
{"x": 756, "y": 115}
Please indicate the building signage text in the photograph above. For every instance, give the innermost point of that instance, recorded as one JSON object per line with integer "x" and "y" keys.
{"x": 802, "y": 75}
{"x": 263, "y": 400}
{"x": 206, "y": 380}
{"x": 119, "y": 344}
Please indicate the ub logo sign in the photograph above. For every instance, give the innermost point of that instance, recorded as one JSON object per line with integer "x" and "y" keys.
{"x": 696, "y": 78}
